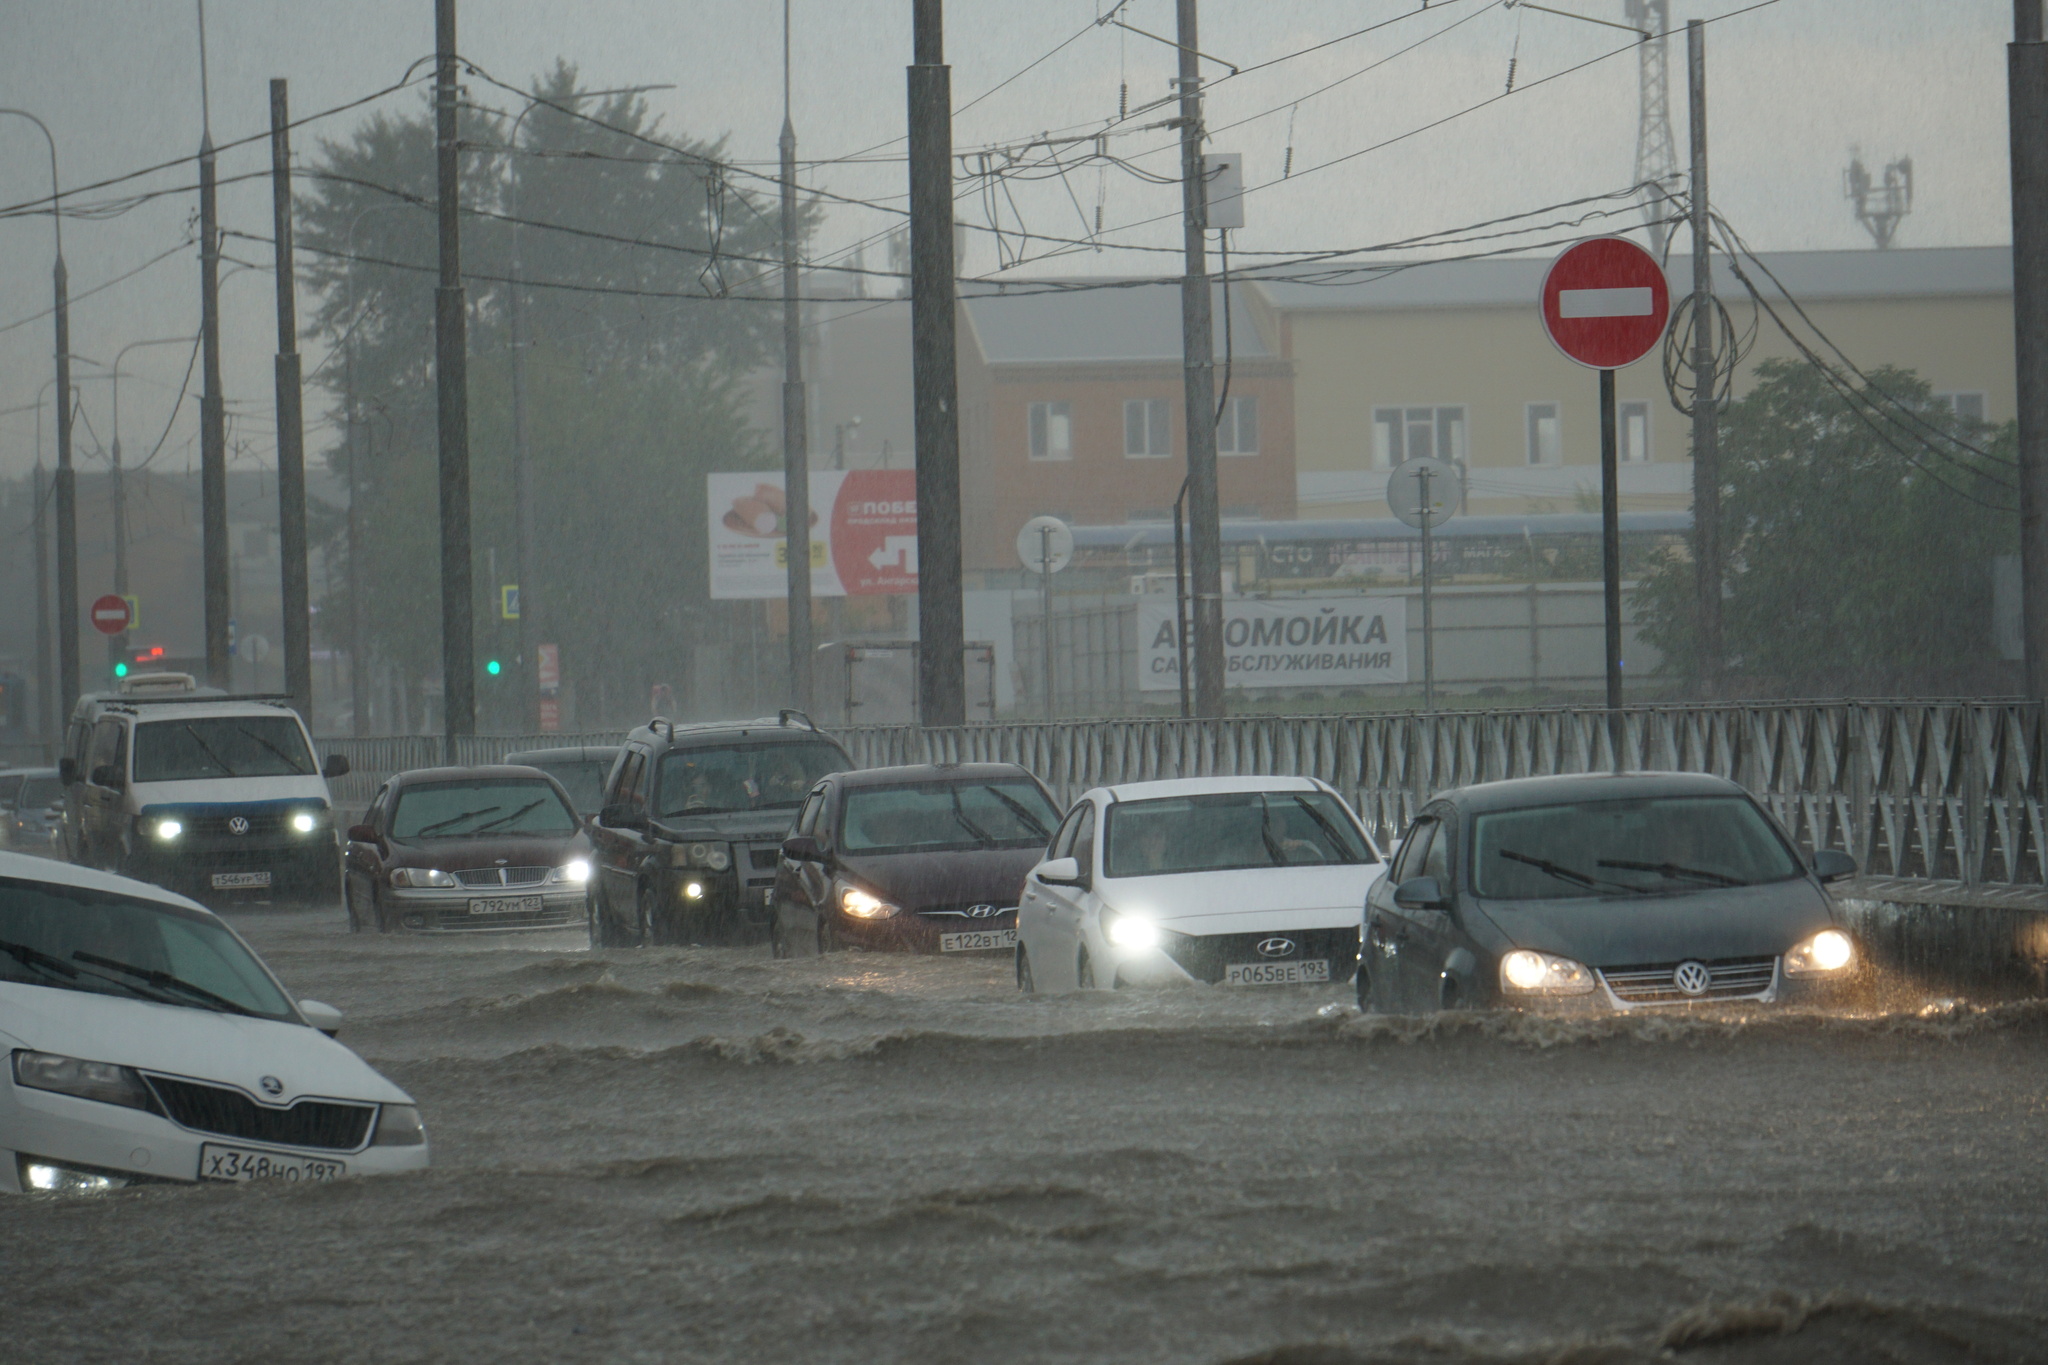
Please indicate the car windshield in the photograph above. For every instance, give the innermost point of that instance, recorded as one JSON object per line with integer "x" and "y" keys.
{"x": 933, "y": 816}
{"x": 1225, "y": 830}
{"x": 715, "y": 778}
{"x": 1606, "y": 848}
{"x": 103, "y": 943}
{"x": 220, "y": 746}
{"x": 40, "y": 793}
{"x": 486, "y": 806}
{"x": 582, "y": 778}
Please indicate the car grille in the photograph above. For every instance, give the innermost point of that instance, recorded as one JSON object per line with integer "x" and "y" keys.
{"x": 756, "y": 863}
{"x": 230, "y": 1113}
{"x": 764, "y": 858}
{"x": 1204, "y": 956}
{"x": 1728, "y": 978}
{"x": 502, "y": 876}
{"x": 1005, "y": 914}
{"x": 262, "y": 823}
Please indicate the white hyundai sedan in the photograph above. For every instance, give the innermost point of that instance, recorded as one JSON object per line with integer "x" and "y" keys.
{"x": 1241, "y": 881}
{"x": 145, "y": 1042}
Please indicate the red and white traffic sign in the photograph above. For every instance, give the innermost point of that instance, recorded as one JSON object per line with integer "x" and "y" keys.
{"x": 1605, "y": 302}
{"x": 110, "y": 614}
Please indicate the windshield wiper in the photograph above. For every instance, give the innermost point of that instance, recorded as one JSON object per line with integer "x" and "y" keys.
{"x": 458, "y": 819}
{"x": 961, "y": 815}
{"x": 1023, "y": 811}
{"x": 36, "y": 957}
{"x": 289, "y": 761}
{"x": 1560, "y": 871}
{"x": 166, "y": 981}
{"x": 1336, "y": 840}
{"x": 503, "y": 818}
{"x": 218, "y": 761}
{"x": 1674, "y": 871}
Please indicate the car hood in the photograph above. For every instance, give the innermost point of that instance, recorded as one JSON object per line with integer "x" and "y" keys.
{"x": 760, "y": 825}
{"x": 229, "y": 1048}
{"x": 957, "y": 877}
{"x": 1246, "y": 900}
{"x": 230, "y": 791}
{"x": 511, "y": 850}
{"x": 1620, "y": 931}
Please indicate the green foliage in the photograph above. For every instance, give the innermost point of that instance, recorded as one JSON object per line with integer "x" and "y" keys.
{"x": 1857, "y": 562}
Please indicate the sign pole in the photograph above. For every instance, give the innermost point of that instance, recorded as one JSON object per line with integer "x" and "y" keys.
{"x": 1428, "y": 603}
{"x": 1610, "y": 557}
{"x": 1045, "y": 587}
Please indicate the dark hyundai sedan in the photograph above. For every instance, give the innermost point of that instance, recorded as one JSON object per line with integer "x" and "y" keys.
{"x": 466, "y": 849}
{"x": 922, "y": 859}
{"x": 1613, "y": 892}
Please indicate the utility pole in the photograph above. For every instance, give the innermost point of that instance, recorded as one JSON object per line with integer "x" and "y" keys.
{"x": 2027, "y": 98}
{"x": 941, "y": 670}
{"x": 46, "y": 722}
{"x": 291, "y": 427}
{"x": 796, "y": 462}
{"x": 451, "y": 376}
{"x": 213, "y": 422}
{"x": 1205, "y": 531}
{"x": 1706, "y": 393}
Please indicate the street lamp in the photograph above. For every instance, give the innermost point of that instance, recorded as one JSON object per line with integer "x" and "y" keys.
{"x": 67, "y": 483}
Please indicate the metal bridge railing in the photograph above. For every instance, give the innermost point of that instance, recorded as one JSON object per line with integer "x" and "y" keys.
{"x": 1941, "y": 790}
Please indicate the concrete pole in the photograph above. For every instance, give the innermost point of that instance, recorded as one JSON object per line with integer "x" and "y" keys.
{"x": 295, "y": 603}
{"x": 215, "y": 569}
{"x": 1706, "y": 419}
{"x": 796, "y": 435}
{"x": 2027, "y": 84}
{"x": 1198, "y": 360}
{"x": 941, "y": 670}
{"x": 451, "y": 374}
{"x": 46, "y": 721}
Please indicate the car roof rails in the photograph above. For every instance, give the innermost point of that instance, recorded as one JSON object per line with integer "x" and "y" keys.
{"x": 659, "y": 722}
{"x": 782, "y": 717}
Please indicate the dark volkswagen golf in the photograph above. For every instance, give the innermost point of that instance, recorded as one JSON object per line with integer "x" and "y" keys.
{"x": 1615, "y": 892}
{"x": 922, "y": 859}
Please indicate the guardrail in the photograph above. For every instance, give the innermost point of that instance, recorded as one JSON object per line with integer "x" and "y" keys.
{"x": 1939, "y": 790}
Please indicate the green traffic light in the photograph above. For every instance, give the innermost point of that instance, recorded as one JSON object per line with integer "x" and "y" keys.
{"x": 494, "y": 668}
{"x": 120, "y": 670}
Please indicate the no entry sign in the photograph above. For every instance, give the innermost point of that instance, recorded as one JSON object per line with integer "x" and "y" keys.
{"x": 1605, "y": 303}
{"x": 110, "y": 614}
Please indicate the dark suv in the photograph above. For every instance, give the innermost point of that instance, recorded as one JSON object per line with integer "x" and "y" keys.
{"x": 691, "y": 829}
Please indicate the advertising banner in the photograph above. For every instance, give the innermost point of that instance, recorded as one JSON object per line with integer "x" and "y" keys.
{"x": 863, "y": 534}
{"x": 1289, "y": 642}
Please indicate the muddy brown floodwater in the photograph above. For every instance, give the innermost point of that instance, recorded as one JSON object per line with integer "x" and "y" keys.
{"x": 707, "y": 1155}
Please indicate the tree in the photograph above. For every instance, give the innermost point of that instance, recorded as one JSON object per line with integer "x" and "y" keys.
{"x": 1860, "y": 541}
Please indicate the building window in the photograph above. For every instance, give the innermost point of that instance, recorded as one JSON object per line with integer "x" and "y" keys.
{"x": 1634, "y": 422}
{"x": 1400, "y": 434}
{"x": 1238, "y": 432}
{"x": 1546, "y": 436}
{"x": 1052, "y": 431}
{"x": 1148, "y": 428}
{"x": 1968, "y": 406}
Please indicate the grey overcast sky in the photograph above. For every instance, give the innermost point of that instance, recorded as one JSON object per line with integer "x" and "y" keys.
{"x": 1794, "y": 86}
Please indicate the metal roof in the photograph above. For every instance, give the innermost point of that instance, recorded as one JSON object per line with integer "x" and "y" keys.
{"x": 1140, "y": 322}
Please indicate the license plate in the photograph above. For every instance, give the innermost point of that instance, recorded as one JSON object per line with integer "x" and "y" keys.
{"x": 1276, "y": 973}
{"x": 977, "y": 940}
{"x": 506, "y": 905}
{"x": 245, "y": 1163}
{"x": 224, "y": 881}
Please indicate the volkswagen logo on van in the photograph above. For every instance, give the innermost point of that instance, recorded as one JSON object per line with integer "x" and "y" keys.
{"x": 1276, "y": 947}
{"x": 238, "y": 824}
{"x": 1692, "y": 978}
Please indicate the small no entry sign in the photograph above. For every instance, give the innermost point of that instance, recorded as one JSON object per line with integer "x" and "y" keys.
{"x": 1605, "y": 303}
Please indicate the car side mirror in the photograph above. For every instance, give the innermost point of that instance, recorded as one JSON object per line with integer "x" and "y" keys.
{"x": 362, "y": 834}
{"x": 67, "y": 771}
{"x": 106, "y": 775}
{"x": 326, "y": 1018}
{"x": 335, "y": 765}
{"x": 802, "y": 848}
{"x": 1060, "y": 872}
{"x": 1421, "y": 893}
{"x": 1833, "y": 865}
{"x": 623, "y": 815}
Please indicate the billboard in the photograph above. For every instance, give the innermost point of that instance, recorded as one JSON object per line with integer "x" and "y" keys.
{"x": 863, "y": 534}
{"x": 1284, "y": 642}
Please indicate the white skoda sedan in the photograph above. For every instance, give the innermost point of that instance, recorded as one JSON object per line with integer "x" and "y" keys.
{"x": 1241, "y": 881}
{"x": 143, "y": 1041}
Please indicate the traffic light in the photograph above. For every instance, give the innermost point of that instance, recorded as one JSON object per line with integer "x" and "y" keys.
{"x": 121, "y": 670}
{"x": 494, "y": 668}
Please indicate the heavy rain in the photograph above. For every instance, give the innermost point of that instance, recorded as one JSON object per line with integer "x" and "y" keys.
{"x": 1133, "y": 680}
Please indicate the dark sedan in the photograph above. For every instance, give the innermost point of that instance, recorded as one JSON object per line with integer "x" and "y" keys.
{"x": 467, "y": 849}
{"x": 1612, "y": 892}
{"x": 922, "y": 859}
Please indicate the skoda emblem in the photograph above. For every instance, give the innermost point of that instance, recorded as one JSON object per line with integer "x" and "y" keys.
{"x": 983, "y": 911}
{"x": 1276, "y": 947}
{"x": 1692, "y": 978}
{"x": 238, "y": 824}
{"x": 271, "y": 1084}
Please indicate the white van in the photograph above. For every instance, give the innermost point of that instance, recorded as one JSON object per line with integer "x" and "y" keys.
{"x": 214, "y": 796}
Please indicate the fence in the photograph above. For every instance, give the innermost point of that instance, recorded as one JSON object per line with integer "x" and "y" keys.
{"x": 1942, "y": 790}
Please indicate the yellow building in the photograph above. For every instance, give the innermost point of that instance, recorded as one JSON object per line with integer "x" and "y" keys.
{"x": 1451, "y": 360}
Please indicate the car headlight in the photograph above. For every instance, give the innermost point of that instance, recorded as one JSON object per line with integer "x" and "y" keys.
{"x": 305, "y": 821}
{"x": 1129, "y": 931}
{"x": 575, "y": 870}
{"x": 50, "y": 1177}
{"x": 398, "y": 1125}
{"x": 1830, "y": 950}
{"x": 864, "y": 905}
{"x": 168, "y": 829}
{"x": 714, "y": 856}
{"x": 102, "y": 1081}
{"x": 1531, "y": 973}
{"x": 422, "y": 876}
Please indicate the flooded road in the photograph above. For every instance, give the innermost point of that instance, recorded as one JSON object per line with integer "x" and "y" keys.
{"x": 705, "y": 1154}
